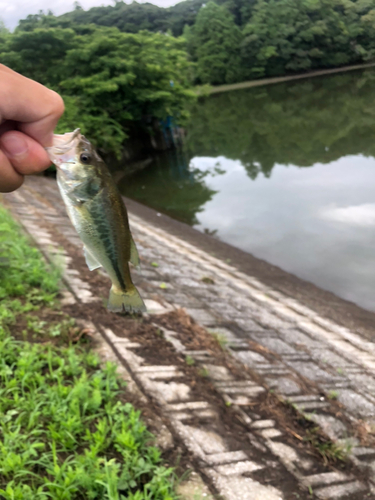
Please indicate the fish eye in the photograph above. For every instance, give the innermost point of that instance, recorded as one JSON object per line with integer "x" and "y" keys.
{"x": 85, "y": 158}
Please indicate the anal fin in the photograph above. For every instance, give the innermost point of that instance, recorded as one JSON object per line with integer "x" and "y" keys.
{"x": 134, "y": 257}
{"x": 91, "y": 262}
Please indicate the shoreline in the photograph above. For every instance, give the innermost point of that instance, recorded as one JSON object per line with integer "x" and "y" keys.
{"x": 348, "y": 314}
{"x": 280, "y": 79}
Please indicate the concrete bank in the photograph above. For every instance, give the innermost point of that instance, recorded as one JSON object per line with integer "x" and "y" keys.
{"x": 286, "y": 332}
{"x": 280, "y": 79}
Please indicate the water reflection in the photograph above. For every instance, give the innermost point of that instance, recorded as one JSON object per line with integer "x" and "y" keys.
{"x": 170, "y": 186}
{"x": 317, "y": 223}
{"x": 303, "y": 123}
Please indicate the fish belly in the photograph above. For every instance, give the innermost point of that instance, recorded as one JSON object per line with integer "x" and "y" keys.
{"x": 102, "y": 233}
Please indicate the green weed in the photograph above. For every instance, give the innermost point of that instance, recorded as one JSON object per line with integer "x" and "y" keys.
{"x": 25, "y": 281}
{"x": 330, "y": 452}
{"x": 65, "y": 435}
{"x": 220, "y": 338}
{"x": 333, "y": 395}
{"x": 189, "y": 360}
{"x": 64, "y": 432}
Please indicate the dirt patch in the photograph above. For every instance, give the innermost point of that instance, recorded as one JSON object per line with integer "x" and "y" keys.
{"x": 267, "y": 405}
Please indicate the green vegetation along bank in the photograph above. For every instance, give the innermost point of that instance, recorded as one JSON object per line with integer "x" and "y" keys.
{"x": 65, "y": 433}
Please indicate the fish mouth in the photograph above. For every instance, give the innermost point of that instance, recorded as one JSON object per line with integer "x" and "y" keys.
{"x": 64, "y": 147}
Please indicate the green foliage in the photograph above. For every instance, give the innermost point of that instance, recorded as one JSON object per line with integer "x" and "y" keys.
{"x": 241, "y": 10}
{"x": 183, "y": 14}
{"x": 111, "y": 81}
{"x": 132, "y": 86}
{"x": 127, "y": 17}
{"x": 3, "y": 28}
{"x": 277, "y": 37}
{"x": 216, "y": 41}
{"x": 94, "y": 122}
{"x": 38, "y": 54}
{"x": 297, "y": 35}
{"x": 65, "y": 435}
{"x": 24, "y": 280}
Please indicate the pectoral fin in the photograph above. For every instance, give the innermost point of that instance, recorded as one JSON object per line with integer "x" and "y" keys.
{"x": 134, "y": 257}
{"x": 91, "y": 262}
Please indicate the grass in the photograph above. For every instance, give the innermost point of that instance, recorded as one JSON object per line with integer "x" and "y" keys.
{"x": 25, "y": 283}
{"x": 65, "y": 435}
{"x": 203, "y": 372}
{"x": 66, "y": 430}
{"x": 189, "y": 360}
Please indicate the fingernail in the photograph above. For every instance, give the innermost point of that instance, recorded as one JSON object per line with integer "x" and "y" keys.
{"x": 14, "y": 145}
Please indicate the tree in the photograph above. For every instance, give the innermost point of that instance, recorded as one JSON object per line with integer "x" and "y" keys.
{"x": 111, "y": 81}
{"x": 297, "y": 35}
{"x": 240, "y": 9}
{"x": 362, "y": 15}
{"x": 38, "y": 54}
{"x": 130, "y": 74}
{"x": 216, "y": 40}
{"x": 3, "y": 28}
{"x": 183, "y": 14}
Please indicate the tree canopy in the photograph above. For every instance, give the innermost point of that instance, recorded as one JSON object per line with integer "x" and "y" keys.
{"x": 296, "y": 35}
{"x": 235, "y": 40}
{"x": 109, "y": 80}
{"x": 214, "y": 41}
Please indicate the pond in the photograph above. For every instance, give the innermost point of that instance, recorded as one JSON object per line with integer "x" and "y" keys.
{"x": 284, "y": 172}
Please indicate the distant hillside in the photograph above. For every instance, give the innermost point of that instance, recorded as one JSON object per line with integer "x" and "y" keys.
{"x": 236, "y": 40}
{"x": 129, "y": 18}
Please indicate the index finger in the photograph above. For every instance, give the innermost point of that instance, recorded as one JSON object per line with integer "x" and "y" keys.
{"x": 34, "y": 107}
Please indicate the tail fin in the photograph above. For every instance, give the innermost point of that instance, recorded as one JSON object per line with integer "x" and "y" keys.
{"x": 129, "y": 301}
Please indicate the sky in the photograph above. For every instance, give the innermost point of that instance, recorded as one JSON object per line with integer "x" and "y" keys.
{"x": 316, "y": 223}
{"x": 11, "y": 11}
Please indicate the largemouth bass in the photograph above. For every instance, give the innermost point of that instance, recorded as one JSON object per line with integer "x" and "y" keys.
{"x": 98, "y": 213}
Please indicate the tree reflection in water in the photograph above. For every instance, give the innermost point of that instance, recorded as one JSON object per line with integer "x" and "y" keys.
{"x": 302, "y": 123}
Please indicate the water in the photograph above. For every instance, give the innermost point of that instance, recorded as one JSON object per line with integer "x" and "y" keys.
{"x": 285, "y": 172}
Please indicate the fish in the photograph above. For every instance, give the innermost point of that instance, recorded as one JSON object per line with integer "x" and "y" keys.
{"x": 98, "y": 213}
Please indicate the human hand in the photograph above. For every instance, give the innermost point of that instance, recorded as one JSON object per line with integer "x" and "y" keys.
{"x": 29, "y": 113}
